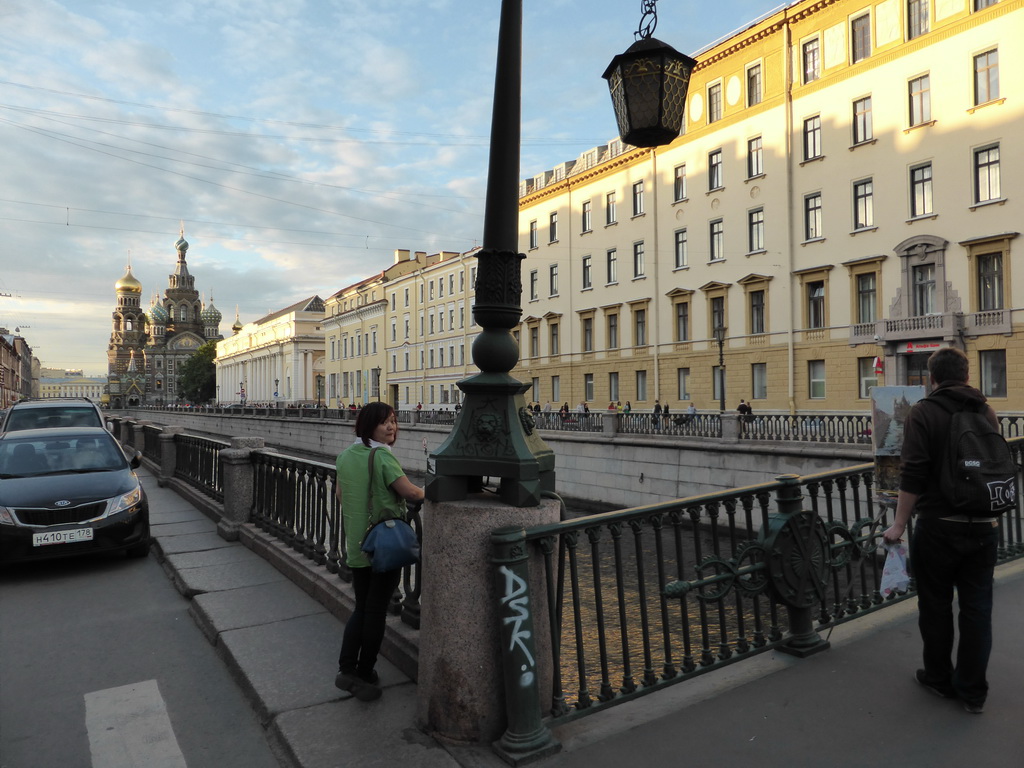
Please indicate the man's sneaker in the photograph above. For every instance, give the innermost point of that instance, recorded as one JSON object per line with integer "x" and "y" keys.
{"x": 945, "y": 693}
{"x": 974, "y": 709}
{"x": 345, "y": 680}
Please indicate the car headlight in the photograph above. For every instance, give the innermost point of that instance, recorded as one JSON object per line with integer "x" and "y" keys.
{"x": 127, "y": 501}
{"x": 5, "y": 517}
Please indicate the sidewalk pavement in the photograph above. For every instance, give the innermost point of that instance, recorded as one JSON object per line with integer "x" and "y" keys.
{"x": 853, "y": 705}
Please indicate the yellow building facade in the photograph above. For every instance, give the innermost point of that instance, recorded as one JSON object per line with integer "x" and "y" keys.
{"x": 844, "y": 200}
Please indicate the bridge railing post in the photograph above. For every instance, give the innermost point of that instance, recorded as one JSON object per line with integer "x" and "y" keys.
{"x": 239, "y": 484}
{"x": 526, "y": 736}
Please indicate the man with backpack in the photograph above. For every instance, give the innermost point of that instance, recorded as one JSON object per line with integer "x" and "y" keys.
{"x": 957, "y": 476}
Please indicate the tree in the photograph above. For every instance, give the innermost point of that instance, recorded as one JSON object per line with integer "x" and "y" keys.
{"x": 197, "y": 376}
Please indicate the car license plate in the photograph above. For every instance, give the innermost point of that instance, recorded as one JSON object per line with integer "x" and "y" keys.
{"x": 61, "y": 537}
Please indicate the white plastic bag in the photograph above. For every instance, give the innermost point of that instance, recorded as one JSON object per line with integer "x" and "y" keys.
{"x": 894, "y": 573}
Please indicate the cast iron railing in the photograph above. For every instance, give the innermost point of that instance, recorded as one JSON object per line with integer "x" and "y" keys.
{"x": 643, "y": 598}
{"x": 151, "y": 442}
{"x": 294, "y": 501}
{"x": 197, "y": 462}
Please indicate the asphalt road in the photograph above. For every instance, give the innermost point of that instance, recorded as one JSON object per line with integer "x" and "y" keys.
{"x": 102, "y": 667}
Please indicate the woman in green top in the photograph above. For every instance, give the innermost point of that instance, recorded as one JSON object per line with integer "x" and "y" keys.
{"x": 376, "y": 427}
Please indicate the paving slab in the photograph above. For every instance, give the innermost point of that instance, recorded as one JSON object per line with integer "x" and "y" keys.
{"x": 231, "y": 576}
{"x": 192, "y": 542}
{"x": 221, "y": 556}
{"x": 217, "y": 612}
{"x": 291, "y": 664}
{"x": 180, "y": 528}
{"x": 378, "y": 734}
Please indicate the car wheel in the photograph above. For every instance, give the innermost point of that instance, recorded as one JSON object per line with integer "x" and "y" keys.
{"x": 138, "y": 550}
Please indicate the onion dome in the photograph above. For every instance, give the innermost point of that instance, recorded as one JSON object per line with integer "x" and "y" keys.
{"x": 128, "y": 283}
{"x": 210, "y": 314}
{"x": 158, "y": 314}
{"x": 181, "y": 245}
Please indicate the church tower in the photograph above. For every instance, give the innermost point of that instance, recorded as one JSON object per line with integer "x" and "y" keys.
{"x": 127, "y": 339}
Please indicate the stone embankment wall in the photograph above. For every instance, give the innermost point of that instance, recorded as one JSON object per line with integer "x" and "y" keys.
{"x": 606, "y": 471}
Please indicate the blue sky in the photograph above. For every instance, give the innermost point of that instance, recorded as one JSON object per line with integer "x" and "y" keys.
{"x": 300, "y": 141}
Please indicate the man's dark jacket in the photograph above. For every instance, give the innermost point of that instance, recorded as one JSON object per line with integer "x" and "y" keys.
{"x": 925, "y": 436}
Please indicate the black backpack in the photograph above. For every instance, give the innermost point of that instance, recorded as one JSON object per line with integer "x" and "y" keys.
{"x": 978, "y": 474}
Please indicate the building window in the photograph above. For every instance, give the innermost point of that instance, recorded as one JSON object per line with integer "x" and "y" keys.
{"x": 993, "y": 372}
{"x": 556, "y": 388}
{"x": 683, "y": 383}
{"x": 613, "y": 386}
{"x": 640, "y": 328}
{"x": 553, "y": 280}
{"x": 535, "y": 342}
{"x": 533, "y": 285}
{"x": 811, "y": 56}
{"x": 920, "y": 100}
{"x": 755, "y": 230}
{"x": 816, "y": 379}
{"x": 613, "y": 269}
{"x": 638, "y": 198}
{"x": 588, "y": 386}
{"x": 587, "y": 272}
{"x": 679, "y": 183}
{"x": 990, "y": 281}
{"x": 986, "y": 77}
{"x": 866, "y": 376}
{"x": 860, "y": 38}
{"x": 715, "y": 170}
{"x": 921, "y": 190}
{"x": 816, "y": 304}
{"x": 613, "y": 331}
{"x": 986, "y": 174}
{"x": 863, "y": 204}
{"x": 716, "y": 236}
{"x": 862, "y": 130}
{"x": 758, "y": 381}
{"x": 641, "y": 385}
{"x": 714, "y": 103}
{"x": 718, "y": 385}
{"x": 553, "y": 339}
{"x": 638, "y": 259}
{"x": 610, "y": 216}
{"x": 680, "y": 247}
{"x": 533, "y": 234}
{"x": 683, "y": 321}
{"x": 917, "y": 18}
{"x": 755, "y": 157}
{"x": 753, "y": 85}
{"x": 757, "y": 324}
{"x": 718, "y": 312}
{"x": 924, "y": 289}
{"x": 812, "y": 138}
{"x": 979, "y": 4}
{"x": 812, "y": 216}
{"x": 553, "y": 227}
{"x": 585, "y": 216}
{"x": 867, "y": 297}
{"x": 588, "y": 334}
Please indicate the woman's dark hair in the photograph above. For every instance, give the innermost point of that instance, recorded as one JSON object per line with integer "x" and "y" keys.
{"x": 948, "y": 364}
{"x": 371, "y": 416}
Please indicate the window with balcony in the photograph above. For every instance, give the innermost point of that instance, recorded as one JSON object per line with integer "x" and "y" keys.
{"x": 816, "y": 304}
{"x": 924, "y": 289}
{"x": 990, "y": 281}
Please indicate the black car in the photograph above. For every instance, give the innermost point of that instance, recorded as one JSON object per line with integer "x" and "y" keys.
{"x": 69, "y": 491}
{"x": 52, "y": 412}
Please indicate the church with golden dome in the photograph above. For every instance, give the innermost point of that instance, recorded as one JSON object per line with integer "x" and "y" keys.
{"x": 148, "y": 347}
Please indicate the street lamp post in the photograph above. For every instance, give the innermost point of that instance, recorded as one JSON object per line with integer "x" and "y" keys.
{"x": 494, "y": 434}
{"x": 276, "y": 383}
{"x": 376, "y": 379}
{"x": 720, "y": 338}
{"x": 319, "y": 388}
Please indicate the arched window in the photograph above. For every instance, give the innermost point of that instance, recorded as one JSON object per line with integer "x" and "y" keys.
{"x": 129, "y": 325}
{"x": 183, "y": 313}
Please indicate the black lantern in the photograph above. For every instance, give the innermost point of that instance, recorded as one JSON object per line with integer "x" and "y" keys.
{"x": 648, "y": 84}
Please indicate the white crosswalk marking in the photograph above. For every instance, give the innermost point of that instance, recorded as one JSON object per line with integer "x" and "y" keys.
{"x": 129, "y": 728}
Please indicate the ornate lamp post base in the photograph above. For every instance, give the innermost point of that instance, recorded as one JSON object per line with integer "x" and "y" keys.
{"x": 494, "y": 435}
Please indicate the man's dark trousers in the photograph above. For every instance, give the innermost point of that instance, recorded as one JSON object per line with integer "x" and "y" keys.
{"x": 945, "y": 554}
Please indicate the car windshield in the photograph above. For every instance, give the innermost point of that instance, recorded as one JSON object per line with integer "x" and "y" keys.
{"x": 52, "y": 456}
{"x": 43, "y": 418}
